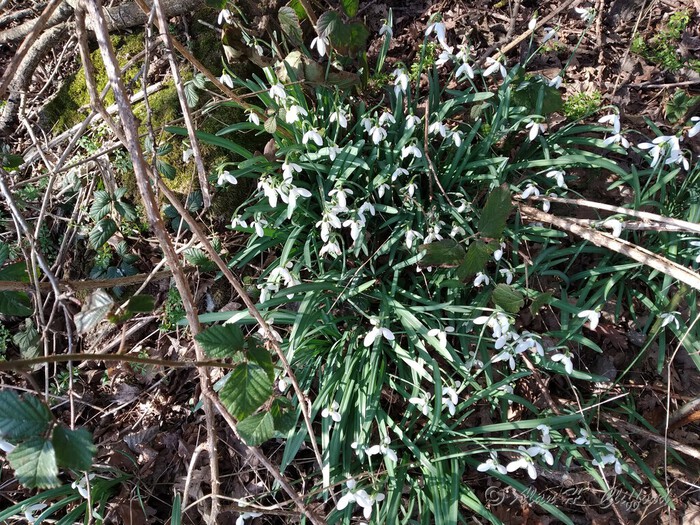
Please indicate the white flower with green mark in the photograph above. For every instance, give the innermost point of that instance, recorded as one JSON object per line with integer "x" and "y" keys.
{"x": 364, "y": 500}
{"x": 565, "y": 360}
{"x": 669, "y": 317}
{"x": 377, "y": 331}
{"x": 492, "y": 464}
{"x": 225, "y": 177}
{"x": 332, "y": 412}
{"x": 592, "y": 316}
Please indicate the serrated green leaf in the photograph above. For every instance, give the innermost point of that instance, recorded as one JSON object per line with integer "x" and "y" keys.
{"x": 100, "y": 205}
{"x": 200, "y": 81}
{"x": 74, "y": 448}
{"x": 34, "y": 462}
{"x": 220, "y": 341}
{"x": 475, "y": 261}
{"x": 495, "y": 213}
{"x": 539, "y": 301}
{"x": 327, "y": 22}
{"x": 15, "y": 272}
{"x": 247, "y": 388}
{"x": 257, "y": 429}
{"x": 198, "y": 257}
{"x": 285, "y": 419}
{"x": 22, "y": 418}
{"x": 125, "y": 209}
{"x": 270, "y": 125}
{"x": 261, "y": 357}
{"x": 15, "y": 303}
{"x": 350, "y": 6}
{"x": 102, "y": 231}
{"x": 289, "y": 21}
{"x": 141, "y": 303}
{"x": 191, "y": 95}
{"x": 28, "y": 341}
{"x": 217, "y": 4}
{"x": 445, "y": 253}
{"x": 11, "y": 161}
{"x": 165, "y": 169}
{"x": 507, "y": 298}
{"x": 4, "y": 253}
{"x": 95, "y": 309}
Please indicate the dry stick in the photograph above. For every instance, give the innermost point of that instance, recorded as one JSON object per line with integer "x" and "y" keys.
{"x": 606, "y": 240}
{"x": 26, "y": 46}
{"x": 132, "y": 143}
{"x": 633, "y": 225}
{"x": 93, "y": 284}
{"x": 175, "y": 71}
{"x": 644, "y": 215}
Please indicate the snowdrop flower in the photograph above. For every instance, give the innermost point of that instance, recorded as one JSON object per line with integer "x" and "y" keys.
{"x": 545, "y": 429}
{"x": 535, "y": 128}
{"x": 440, "y": 335}
{"x": 225, "y": 16}
{"x": 253, "y": 117}
{"x": 386, "y": 30}
{"x": 450, "y": 399}
{"x": 499, "y": 252}
{"x": 443, "y": 59}
{"x": 614, "y": 225}
{"x": 340, "y": 117}
{"x": 531, "y": 189}
{"x": 411, "y": 149}
{"x": 464, "y": 69}
{"x": 5, "y": 446}
{"x": 277, "y": 92}
{"x": 584, "y": 439}
{"x": 360, "y": 497}
{"x": 341, "y": 197}
{"x": 288, "y": 169}
{"x": 81, "y": 485}
{"x": 506, "y": 355}
{"x": 438, "y": 127}
{"x": 508, "y": 274}
{"x": 493, "y": 66}
{"x": 376, "y": 332}
{"x": 313, "y": 135}
{"x": 333, "y": 152}
{"x": 366, "y": 207}
{"x": 591, "y": 316}
{"x": 245, "y": 515}
{"x": 377, "y": 133}
{"x": 386, "y": 117}
{"x": 293, "y": 113}
{"x": 660, "y": 145}
{"x": 384, "y": 450}
{"x": 291, "y": 198}
{"x": 434, "y": 234}
{"x": 238, "y": 221}
{"x": 481, "y": 279}
{"x": 695, "y": 129}
{"x": 558, "y": 176}
{"x": 267, "y": 185}
{"x": 321, "y": 43}
{"x": 259, "y": 225}
{"x": 421, "y": 403}
{"x": 565, "y": 360}
{"x": 226, "y": 80}
{"x": 549, "y": 34}
{"x": 439, "y": 29}
{"x": 457, "y": 230}
{"x": 400, "y": 171}
{"x": 411, "y": 188}
{"x": 555, "y": 82}
{"x": 525, "y": 462}
{"x": 697, "y": 244}
{"x": 532, "y": 24}
{"x": 31, "y": 509}
{"x": 224, "y": 177}
{"x": 332, "y": 412}
{"x": 669, "y": 317}
{"x": 587, "y": 14}
{"x": 612, "y": 119}
{"x": 187, "y": 155}
{"x": 456, "y": 138}
{"x": 492, "y": 464}
{"x": 412, "y": 121}
{"x": 609, "y": 459}
{"x": 331, "y": 248}
{"x": 328, "y": 220}
{"x": 355, "y": 228}
{"x": 527, "y": 342}
{"x": 381, "y": 190}
{"x": 537, "y": 450}
{"x": 400, "y": 81}
{"x": 410, "y": 238}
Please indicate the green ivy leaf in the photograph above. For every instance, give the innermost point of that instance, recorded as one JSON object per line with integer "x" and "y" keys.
{"x": 507, "y": 298}
{"x": 257, "y": 429}
{"x": 475, "y": 261}
{"x": 102, "y": 231}
{"x": 445, "y": 253}
{"x": 289, "y": 21}
{"x": 74, "y": 448}
{"x": 350, "y": 6}
{"x": 34, "y": 463}
{"x": 495, "y": 213}
{"x": 220, "y": 341}
{"x": 15, "y": 303}
{"x": 95, "y": 308}
{"x": 22, "y": 418}
{"x": 246, "y": 389}
{"x": 261, "y": 357}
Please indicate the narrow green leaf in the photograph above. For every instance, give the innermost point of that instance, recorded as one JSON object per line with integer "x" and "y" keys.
{"x": 257, "y": 429}
{"x": 507, "y": 298}
{"x": 247, "y": 388}
{"x": 495, "y": 213}
{"x": 176, "y": 514}
{"x": 15, "y": 303}
{"x": 212, "y": 140}
{"x": 102, "y": 231}
{"x": 22, "y": 418}
{"x": 34, "y": 463}
{"x": 141, "y": 303}
{"x": 74, "y": 448}
{"x": 476, "y": 259}
{"x": 220, "y": 341}
{"x": 446, "y": 253}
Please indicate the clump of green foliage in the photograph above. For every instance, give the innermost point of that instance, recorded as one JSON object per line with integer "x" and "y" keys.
{"x": 173, "y": 311}
{"x": 582, "y": 104}
{"x": 662, "y": 49}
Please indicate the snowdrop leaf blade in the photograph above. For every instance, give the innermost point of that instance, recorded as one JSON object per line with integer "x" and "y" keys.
{"x": 495, "y": 213}
{"x": 508, "y": 298}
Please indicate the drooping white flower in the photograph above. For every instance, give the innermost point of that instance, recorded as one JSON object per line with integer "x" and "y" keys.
{"x": 527, "y": 341}
{"x": 492, "y": 464}
{"x": 464, "y": 69}
{"x": 669, "y": 317}
{"x": 245, "y": 515}
{"x": 614, "y": 225}
{"x": 82, "y": 484}
{"x": 259, "y": 224}
{"x": 587, "y": 14}
{"x": 532, "y": 24}
{"x": 438, "y": 128}
{"x": 591, "y": 316}
{"x": 288, "y": 170}
{"x": 293, "y": 113}
{"x": 383, "y": 449}
{"x": 238, "y": 221}
{"x": 253, "y": 117}
{"x": 187, "y": 154}
{"x": 609, "y": 459}
{"x": 400, "y": 81}
{"x": 226, "y": 80}
{"x": 450, "y": 399}
{"x": 340, "y": 195}
{"x": 499, "y": 252}
{"x": 386, "y": 117}
{"x": 381, "y": 189}
{"x": 312, "y": 135}
{"x": 537, "y": 450}
{"x": 225, "y": 16}
{"x": 508, "y": 274}
{"x": 481, "y": 279}
{"x": 411, "y": 188}
{"x": 340, "y": 117}
{"x": 331, "y": 248}
{"x": 31, "y": 510}
{"x": 530, "y": 189}
{"x": 525, "y": 462}
{"x": 440, "y": 34}
{"x": 377, "y": 133}
{"x": 493, "y": 66}
{"x": 321, "y": 43}
{"x": 277, "y": 92}
{"x": 386, "y": 30}
{"x": 667, "y": 144}
{"x": 443, "y": 58}
{"x": 332, "y": 412}
{"x": 411, "y": 149}
{"x": 410, "y": 238}
{"x": 399, "y": 172}
{"x": 555, "y": 82}
{"x": 440, "y": 335}
{"x": 535, "y": 129}
{"x": 412, "y": 121}
{"x": 612, "y": 119}
{"x": 545, "y": 429}
{"x": 584, "y": 439}
{"x": 695, "y": 129}
{"x": 566, "y": 361}
{"x": 355, "y": 227}
{"x": 377, "y": 331}
{"x": 329, "y": 220}
{"x": 364, "y": 500}
{"x": 292, "y": 197}
{"x": 558, "y": 176}
{"x": 226, "y": 177}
